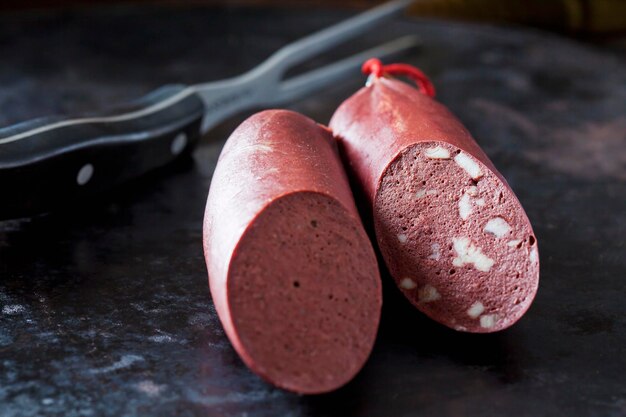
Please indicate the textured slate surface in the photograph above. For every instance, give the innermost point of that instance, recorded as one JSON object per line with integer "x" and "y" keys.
{"x": 104, "y": 309}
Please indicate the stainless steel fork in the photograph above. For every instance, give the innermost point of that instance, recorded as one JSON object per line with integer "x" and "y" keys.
{"x": 53, "y": 160}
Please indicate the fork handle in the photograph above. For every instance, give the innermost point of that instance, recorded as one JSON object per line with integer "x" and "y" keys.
{"x": 52, "y": 161}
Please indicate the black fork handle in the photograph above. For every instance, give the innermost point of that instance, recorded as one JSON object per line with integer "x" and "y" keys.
{"x": 53, "y": 161}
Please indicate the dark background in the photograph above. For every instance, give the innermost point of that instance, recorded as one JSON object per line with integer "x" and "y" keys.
{"x": 105, "y": 308}
{"x": 586, "y": 19}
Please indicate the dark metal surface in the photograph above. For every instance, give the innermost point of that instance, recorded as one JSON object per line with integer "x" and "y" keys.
{"x": 105, "y": 310}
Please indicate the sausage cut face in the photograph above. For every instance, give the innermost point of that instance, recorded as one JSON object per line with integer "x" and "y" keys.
{"x": 455, "y": 239}
{"x": 301, "y": 294}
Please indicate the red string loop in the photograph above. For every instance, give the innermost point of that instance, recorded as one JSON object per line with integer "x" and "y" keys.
{"x": 373, "y": 66}
{"x": 376, "y": 68}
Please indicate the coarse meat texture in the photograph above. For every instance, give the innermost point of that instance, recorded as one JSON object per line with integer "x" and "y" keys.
{"x": 451, "y": 231}
{"x": 293, "y": 275}
{"x": 455, "y": 238}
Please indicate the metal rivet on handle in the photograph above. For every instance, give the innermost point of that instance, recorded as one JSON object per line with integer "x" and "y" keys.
{"x": 84, "y": 174}
{"x": 178, "y": 144}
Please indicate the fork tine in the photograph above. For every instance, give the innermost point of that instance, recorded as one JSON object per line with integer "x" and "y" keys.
{"x": 313, "y": 80}
{"x": 325, "y": 39}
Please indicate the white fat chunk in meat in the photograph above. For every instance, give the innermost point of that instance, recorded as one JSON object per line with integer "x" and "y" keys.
{"x": 427, "y": 294}
{"x": 469, "y": 165}
{"x": 476, "y": 310}
{"x": 488, "y": 321}
{"x": 421, "y": 193}
{"x": 407, "y": 284}
{"x": 533, "y": 255}
{"x": 437, "y": 153}
{"x": 436, "y": 251}
{"x": 468, "y": 253}
{"x": 497, "y": 226}
{"x": 465, "y": 206}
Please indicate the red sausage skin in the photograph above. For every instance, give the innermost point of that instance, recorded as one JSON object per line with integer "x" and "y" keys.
{"x": 451, "y": 231}
{"x": 293, "y": 276}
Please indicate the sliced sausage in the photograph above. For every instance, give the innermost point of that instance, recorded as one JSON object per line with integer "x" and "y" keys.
{"x": 292, "y": 273}
{"x": 451, "y": 231}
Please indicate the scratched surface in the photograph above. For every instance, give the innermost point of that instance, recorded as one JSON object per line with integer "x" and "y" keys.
{"x": 104, "y": 308}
